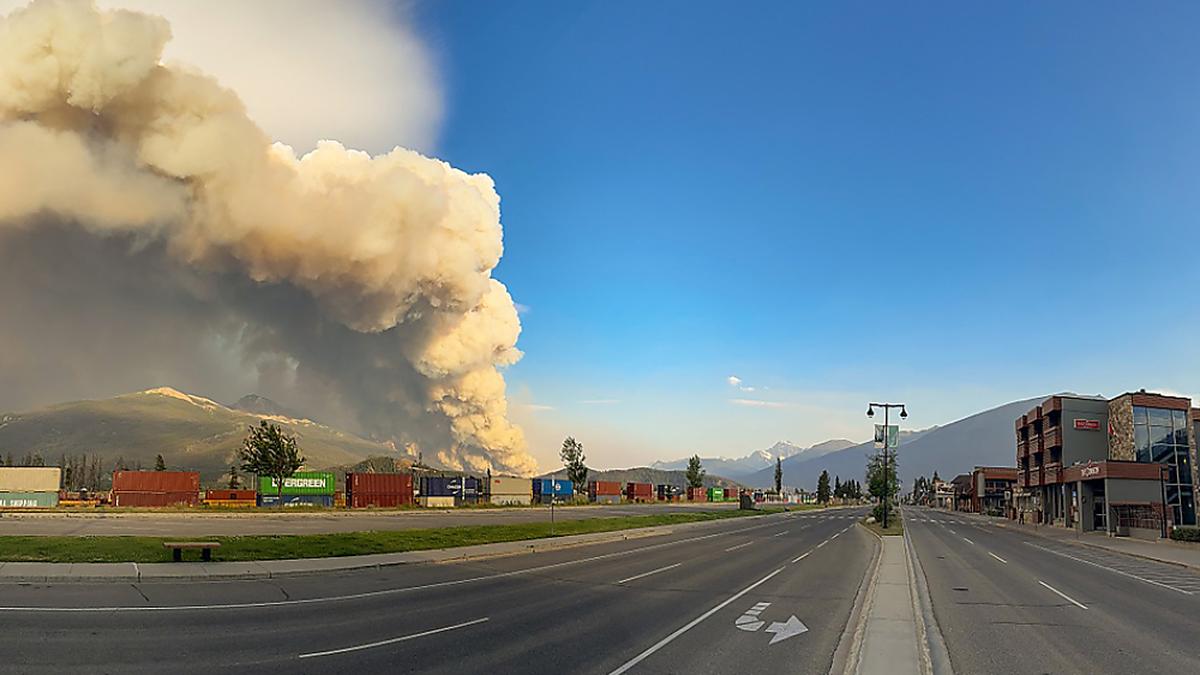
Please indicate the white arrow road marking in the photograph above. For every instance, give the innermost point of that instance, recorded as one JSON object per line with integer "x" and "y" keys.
{"x": 787, "y": 629}
{"x": 750, "y": 621}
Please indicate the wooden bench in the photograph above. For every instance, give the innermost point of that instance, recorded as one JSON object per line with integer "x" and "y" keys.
{"x": 206, "y": 548}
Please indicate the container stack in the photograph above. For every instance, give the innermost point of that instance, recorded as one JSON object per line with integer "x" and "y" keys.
{"x": 716, "y": 494}
{"x": 29, "y": 487}
{"x": 697, "y": 494}
{"x": 447, "y": 491}
{"x": 303, "y": 488}
{"x": 156, "y": 488}
{"x": 731, "y": 494}
{"x": 669, "y": 493}
{"x": 387, "y": 490}
{"x": 639, "y": 492}
{"x": 604, "y": 492}
{"x": 230, "y": 498}
{"x": 510, "y": 491}
{"x": 546, "y": 490}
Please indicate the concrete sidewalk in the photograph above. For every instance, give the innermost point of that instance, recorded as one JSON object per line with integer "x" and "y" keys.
{"x": 1162, "y": 550}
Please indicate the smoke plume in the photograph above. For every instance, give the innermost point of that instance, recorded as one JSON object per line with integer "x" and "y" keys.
{"x": 150, "y": 230}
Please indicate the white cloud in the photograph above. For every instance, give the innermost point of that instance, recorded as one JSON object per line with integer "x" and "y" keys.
{"x": 755, "y": 403}
{"x": 736, "y": 382}
{"x": 522, "y": 309}
{"x": 601, "y": 401}
{"x": 536, "y": 407}
{"x": 310, "y": 70}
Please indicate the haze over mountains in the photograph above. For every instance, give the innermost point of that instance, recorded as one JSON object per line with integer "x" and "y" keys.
{"x": 982, "y": 439}
{"x": 739, "y": 468}
{"x": 191, "y": 432}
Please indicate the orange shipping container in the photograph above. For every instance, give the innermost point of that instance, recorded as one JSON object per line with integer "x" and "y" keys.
{"x": 156, "y": 481}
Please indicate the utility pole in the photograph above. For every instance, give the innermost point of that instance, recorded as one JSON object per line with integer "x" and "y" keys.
{"x": 887, "y": 407}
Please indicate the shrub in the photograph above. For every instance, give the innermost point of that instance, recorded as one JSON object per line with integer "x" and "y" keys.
{"x": 1186, "y": 534}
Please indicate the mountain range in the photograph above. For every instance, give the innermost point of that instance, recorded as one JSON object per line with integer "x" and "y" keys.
{"x": 982, "y": 439}
{"x": 191, "y": 432}
{"x": 742, "y": 467}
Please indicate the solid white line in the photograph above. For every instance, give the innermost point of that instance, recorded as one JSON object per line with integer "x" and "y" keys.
{"x": 1110, "y": 569}
{"x": 1068, "y": 598}
{"x": 835, "y": 536}
{"x": 998, "y": 557}
{"x": 968, "y": 541}
{"x": 646, "y": 574}
{"x": 734, "y": 548}
{"x": 691, "y": 624}
{"x": 372, "y": 594}
{"x": 780, "y": 534}
{"x": 381, "y": 643}
{"x": 802, "y": 557}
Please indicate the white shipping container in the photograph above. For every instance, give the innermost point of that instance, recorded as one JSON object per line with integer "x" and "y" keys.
{"x": 437, "y": 502}
{"x": 30, "y": 478}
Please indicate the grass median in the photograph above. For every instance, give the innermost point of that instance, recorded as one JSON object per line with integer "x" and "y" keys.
{"x": 277, "y": 547}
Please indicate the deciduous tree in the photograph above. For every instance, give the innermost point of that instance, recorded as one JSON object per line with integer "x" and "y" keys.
{"x": 268, "y": 451}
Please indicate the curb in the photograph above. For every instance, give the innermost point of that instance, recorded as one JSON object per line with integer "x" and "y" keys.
{"x": 849, "y": 649}
{"x": 124, "y": 572}
{"x": 934, "y": 655}
{"x": 1099, "y": 547}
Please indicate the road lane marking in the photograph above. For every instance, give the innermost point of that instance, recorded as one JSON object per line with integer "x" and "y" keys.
{"x": 998, "y": 557}
{"x": 968, "y": 541}
{"x": 802, "y": 557}
{"x": 780, "y": 534}
{"x": 1110, "y": 569}
{"x": 734, "y": 548}
{"x": 951, "y": 531}
{"x": 381, "y": 643}
{"x": 646, "y": 574}
{"x": 691, "y": 624}
{"x": 1066, "y": 597}
{"x": 822, "y": 543}
{"x": 370, "y": 594}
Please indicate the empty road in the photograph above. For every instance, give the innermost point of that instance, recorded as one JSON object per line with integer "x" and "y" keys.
{"x": 774, "y": 593}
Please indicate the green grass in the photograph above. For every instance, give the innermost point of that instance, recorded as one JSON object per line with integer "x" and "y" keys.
{"x": 267, "y": 547}
{"x": 895, "y": 526}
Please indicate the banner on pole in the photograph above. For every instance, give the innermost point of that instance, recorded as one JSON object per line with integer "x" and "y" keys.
{"x": 893, "y": 435}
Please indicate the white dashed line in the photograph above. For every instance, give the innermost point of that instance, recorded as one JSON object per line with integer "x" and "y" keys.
{"x": 1066, "y": 597}
{"x": 998, "y": 557}
{"x": 646, "y": 574}
{"x": 801, "y": 557}
{"x": 734, "y": 548}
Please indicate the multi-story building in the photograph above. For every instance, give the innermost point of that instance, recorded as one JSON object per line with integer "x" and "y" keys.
{"x": 990, "y": 490}
{"x": 1127, "y": 463}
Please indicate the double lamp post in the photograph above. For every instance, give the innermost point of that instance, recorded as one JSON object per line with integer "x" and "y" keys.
{"x": 887, "y": 408}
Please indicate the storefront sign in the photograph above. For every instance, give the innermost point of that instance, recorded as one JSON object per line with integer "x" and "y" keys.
{"x": 1089, "y": 471}
{"x": 1087, "y": 425}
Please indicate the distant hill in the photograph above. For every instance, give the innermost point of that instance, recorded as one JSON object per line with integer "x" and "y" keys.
{"x": 648, "y": 475}
{"x": 742, "y": 467}
{"x": 191, "y": 432}
{"x": 983, "y": 439}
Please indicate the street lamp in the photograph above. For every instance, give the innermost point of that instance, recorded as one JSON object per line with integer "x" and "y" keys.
{"x": 887, "y": 408}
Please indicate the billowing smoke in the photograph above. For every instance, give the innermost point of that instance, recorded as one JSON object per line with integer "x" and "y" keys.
{"x": 149, "y": 230}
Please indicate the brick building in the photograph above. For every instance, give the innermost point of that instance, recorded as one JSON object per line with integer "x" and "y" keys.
{"x": 1094, "y": 464}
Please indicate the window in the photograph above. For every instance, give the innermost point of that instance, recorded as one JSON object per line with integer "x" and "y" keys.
{"x": 1161, "y": 436}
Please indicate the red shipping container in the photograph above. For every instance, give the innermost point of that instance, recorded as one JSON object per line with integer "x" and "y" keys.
{"x": 730, "y": 493}
{"x": 129, "y": 498}
{"x": 697, "y": 494}
{"x": 234, "y": 495}
{"x": 363, "y": 501}
{"x": 639, "y": 492}
{"x": 379, "y": 483}
{"x": 604, "y": 487}
{"x": 156, "y": 481}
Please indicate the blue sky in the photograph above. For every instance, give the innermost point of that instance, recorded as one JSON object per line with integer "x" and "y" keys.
{"x": 950, "y": 204}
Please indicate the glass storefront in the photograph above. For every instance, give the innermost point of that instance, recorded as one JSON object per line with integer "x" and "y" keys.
{"x": 1161, "y": 436}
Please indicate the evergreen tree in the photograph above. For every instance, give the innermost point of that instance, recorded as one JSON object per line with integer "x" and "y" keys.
{"x": 778, "y": 475}
{"x": 695, "y": 472}
{"x": 159, "y": 463}
{"x": 823, "y": 488}
{"x": 837, "y": 487}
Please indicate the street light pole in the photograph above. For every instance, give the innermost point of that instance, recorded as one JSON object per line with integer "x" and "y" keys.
{"x": 887, "y": 408}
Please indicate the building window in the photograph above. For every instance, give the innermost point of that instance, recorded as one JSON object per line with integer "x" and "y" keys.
{"x": 1160, "y": 436}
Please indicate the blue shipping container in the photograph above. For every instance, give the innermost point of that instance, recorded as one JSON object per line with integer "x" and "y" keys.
{"x": 553, "y": 486}
{"x": 449, "y": 486}
{"x": 296, "y": 500}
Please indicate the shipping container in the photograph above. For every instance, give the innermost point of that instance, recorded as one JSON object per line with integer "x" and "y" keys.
{"x": 697, "y": 494}
{"x": 138, "y": 498}
{"x": 509, "y": 490}
{"x": 296, "y": 500}
{"x": 716, "y": 494}
{"x": 437, "y": 502}
{"x": 639, "y": 492}
{"x": 379, "y": 484}
{"x": 603, "y": 487}
{"x": 553, "y": 486}
{"x": 28, "y": 500}
{"x": 301, "y": 483}
{"x": 451, "y": 486}
{"x": 156, "y": 481}
{"x": 669, "y": 493}
{"x": 607, "y": 499}
{"x": 30, "y": 479}
{"x": 230, "y": 495}
{"x": 730, "y": 493}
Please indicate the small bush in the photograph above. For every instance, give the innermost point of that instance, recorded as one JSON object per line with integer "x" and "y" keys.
{"x": 877, "y": 511}
{"x": 1186, "y": 534}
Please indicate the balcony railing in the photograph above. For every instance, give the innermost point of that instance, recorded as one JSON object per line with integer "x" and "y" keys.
{"x": 1052, "y": 437}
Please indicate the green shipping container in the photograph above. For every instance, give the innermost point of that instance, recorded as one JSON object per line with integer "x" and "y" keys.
{"x": 716, "y": 495}
{"x": 300, "y": 483}
{"x": 29, "y": 500}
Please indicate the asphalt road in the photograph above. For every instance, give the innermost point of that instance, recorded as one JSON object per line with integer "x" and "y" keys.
{"x": 705, "y": 599}
{"x": 264, "y": 521}
{"x": 1008, "y": 602}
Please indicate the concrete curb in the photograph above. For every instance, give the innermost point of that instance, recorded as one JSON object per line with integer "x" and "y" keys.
{"x": 1100, "y": 547}
{"x": 40, "y": 572}
{"x": 845, "y": 656}
{"x": 935, "y": 656}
